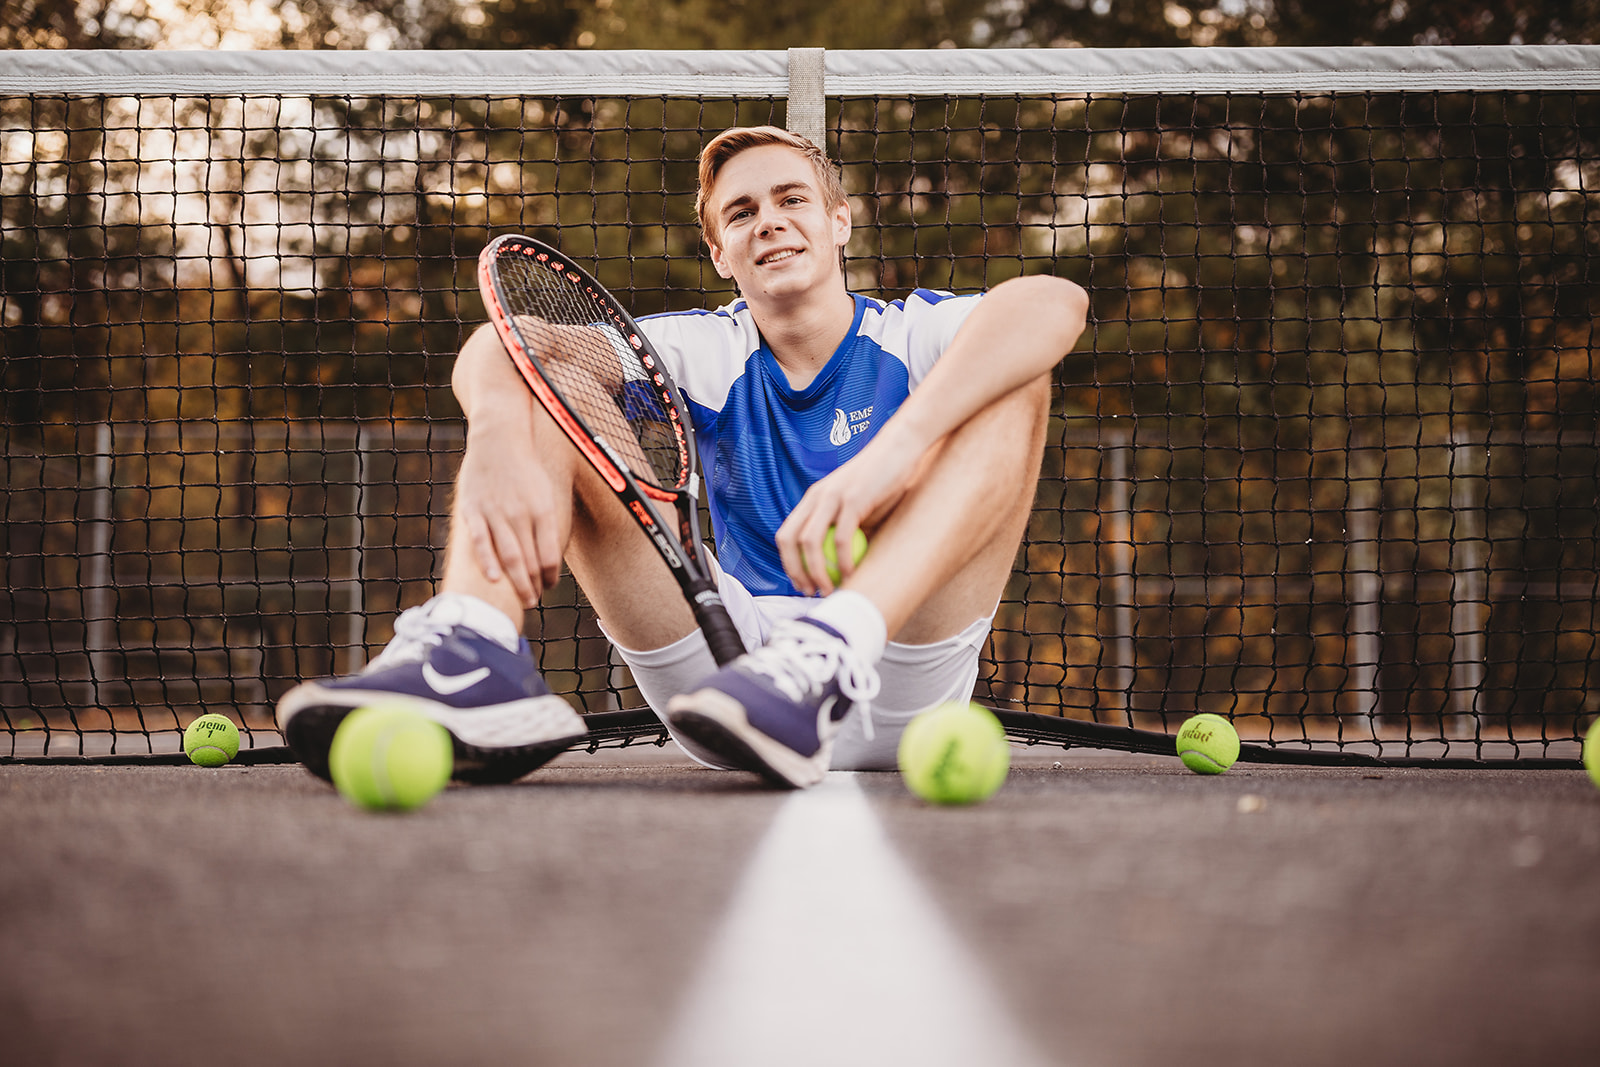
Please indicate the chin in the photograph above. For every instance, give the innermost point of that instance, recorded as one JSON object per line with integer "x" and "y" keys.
{"x": 785, "y": 289}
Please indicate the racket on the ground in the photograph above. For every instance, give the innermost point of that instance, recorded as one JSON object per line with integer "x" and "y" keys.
{"x": 595, "y": 372}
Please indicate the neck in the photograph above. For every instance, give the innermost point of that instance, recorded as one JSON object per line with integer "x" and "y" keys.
{"x": 804, "y": 335}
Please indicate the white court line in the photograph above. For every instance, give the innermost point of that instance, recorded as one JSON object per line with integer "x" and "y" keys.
{"x": 832, "y": 954}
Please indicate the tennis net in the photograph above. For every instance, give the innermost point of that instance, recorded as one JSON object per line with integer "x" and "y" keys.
{"x": 1327, "y": 461}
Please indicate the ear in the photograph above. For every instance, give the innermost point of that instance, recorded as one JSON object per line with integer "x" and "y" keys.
{"x": 717, "y": 259}
{"x": 841, "y": 225}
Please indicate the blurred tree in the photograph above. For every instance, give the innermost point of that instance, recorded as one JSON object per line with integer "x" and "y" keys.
{"x": 1084, "y": 23}
{"x": 1176, "y": 23}
{"x": 76, "y": 24}
{"x": 346, "y": 24}
{"x": 722, "y": 24}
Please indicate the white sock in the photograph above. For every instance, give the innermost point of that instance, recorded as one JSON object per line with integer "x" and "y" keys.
{"x": 857, "y": 620}
{"x": 479, "y": 615}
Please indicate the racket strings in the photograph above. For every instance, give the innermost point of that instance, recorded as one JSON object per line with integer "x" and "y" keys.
{"x": 590, "y": 363}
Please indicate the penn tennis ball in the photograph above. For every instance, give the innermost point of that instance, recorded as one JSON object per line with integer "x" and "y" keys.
{"x": 389, "y": 758}
{"x": 211, "y": 740}
{"x": 1591, "y": 751}
{"x": 1208, "y": 744}
{"x": 830, "y": 552}
{"x": 956, "y": 753}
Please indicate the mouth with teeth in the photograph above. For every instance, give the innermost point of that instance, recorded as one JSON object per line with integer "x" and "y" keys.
{"x": 777, "y": 257}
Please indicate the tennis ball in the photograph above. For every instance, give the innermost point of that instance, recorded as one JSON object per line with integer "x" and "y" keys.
{"x": 954, "y": 754}
{"x": 1208, "y": 744}
{"x": 830, "y": 552}
{"x": 389, "y": 757}
{"x": 1591, "y": 751}
{"x": 211, "y": 740}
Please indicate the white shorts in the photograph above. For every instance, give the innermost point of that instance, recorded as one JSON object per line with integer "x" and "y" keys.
{"x": 914, "y": 677}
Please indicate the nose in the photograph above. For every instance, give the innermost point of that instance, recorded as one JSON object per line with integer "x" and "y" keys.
{"x": 768, "y": 219}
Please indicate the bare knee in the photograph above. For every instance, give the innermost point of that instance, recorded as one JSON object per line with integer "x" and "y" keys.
{"x": 480, "y": 367}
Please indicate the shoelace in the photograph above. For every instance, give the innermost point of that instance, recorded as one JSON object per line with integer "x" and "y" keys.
{"x": 801, "y": 666}
{"x": 415, "y": 632}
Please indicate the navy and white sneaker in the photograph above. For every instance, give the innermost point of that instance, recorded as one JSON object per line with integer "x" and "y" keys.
{"x": 775, "y": 711}
{"x": 502, "y": 718}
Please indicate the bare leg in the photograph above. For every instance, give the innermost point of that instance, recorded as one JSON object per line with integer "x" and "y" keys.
{"x": 942, "y": 557}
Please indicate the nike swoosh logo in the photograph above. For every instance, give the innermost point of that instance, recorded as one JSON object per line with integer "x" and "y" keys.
{"x": 450, "y": 684}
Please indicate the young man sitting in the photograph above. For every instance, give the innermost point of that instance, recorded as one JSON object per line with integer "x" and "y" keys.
{"x": 921, "y": 421}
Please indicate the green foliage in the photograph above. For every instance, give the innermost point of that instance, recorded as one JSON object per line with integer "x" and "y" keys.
{"x": 725, "y": 24}
{"x": 1177, "y": 23}
{"x": 721, "y": 24}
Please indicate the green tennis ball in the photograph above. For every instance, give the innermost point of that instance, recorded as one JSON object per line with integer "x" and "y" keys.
{"x": 1208, "y": 744}
{"x": 956, "y": 753}
{"x": 211, "y": 740}
{"x": 389, "y": 758}
{"x": 1591, "y": 751}
{"x": 830, "y": 552}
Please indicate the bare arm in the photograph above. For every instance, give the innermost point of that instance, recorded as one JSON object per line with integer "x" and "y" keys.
{"x": 507, "y": 505}
{"x": 1018, "y": 332}
{"x": 513, "y": 496}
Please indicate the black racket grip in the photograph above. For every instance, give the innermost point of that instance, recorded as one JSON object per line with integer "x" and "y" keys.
{"x": 721, "y": 634}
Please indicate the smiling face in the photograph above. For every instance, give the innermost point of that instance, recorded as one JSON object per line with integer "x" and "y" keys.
{"x": 770, "y": 227}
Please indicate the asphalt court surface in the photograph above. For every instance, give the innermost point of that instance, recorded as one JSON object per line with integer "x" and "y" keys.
{"x": 1121, "y": 909}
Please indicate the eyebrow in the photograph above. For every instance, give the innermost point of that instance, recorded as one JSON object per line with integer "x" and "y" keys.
{"x": 776, "y": 190}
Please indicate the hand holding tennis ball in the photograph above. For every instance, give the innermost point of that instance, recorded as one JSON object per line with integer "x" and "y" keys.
{"x": 211, "y": 740}
{"x": 1208, "y": 744}
{"x": 390, "y": 758}
{"x": 954, "y": 754}
{"x": 830, "y": 552}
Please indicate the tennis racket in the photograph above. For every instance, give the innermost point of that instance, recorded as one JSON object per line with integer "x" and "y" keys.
{"x": 596, "y": 374}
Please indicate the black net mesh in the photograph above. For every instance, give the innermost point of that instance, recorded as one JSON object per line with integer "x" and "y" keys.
{"x": 1326, "y": 462}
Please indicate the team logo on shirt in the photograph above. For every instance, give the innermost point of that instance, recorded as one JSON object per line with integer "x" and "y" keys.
{"x": 846, "y": 424}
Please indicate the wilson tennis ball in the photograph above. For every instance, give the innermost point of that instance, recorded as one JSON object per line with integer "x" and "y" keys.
{"x": 211, "y": 740}
{"x": 830, "y": 552}
{"x": 1208, "y": 744}
{"x": 1591, "y": 751}
{"x": 389, "y": 758}
{"x": 956, "y": 753}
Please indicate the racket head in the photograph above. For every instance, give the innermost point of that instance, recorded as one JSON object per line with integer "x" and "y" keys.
{"x": 597, "y": 374}
{"x": 578, "y": 346}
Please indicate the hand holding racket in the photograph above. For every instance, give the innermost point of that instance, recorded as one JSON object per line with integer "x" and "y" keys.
{"x": 595, "y": 372}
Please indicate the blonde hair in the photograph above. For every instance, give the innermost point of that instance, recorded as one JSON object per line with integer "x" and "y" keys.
{"x": 729, "y": 143}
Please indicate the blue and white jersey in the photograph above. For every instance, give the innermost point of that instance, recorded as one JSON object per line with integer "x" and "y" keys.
{"x": 762, "y": 443}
